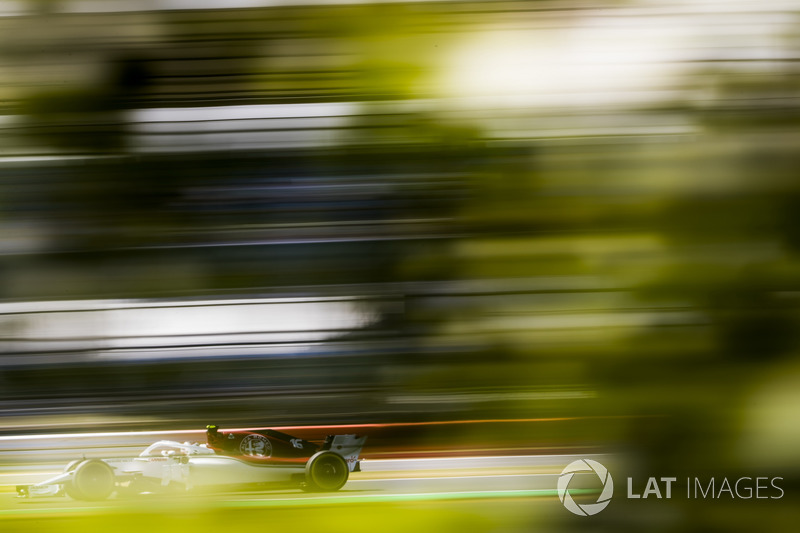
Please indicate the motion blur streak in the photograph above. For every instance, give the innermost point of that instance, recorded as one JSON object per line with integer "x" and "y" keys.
{"x": 463, "y": 227}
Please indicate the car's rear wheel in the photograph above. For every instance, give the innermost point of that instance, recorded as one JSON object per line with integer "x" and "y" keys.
{"x": 93, "y": 480}
{"x": 326, "y": 472}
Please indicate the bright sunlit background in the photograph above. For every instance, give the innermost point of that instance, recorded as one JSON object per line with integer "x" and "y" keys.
{"x": 501, "y": 228}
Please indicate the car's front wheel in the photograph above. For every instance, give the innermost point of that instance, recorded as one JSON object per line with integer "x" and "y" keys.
{"x": 326, "y": 472}
{"x": 93, "y": 480}
{"x": 69, "y": 488}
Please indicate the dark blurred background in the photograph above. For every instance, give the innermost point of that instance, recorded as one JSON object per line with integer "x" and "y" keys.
{"x": 258, "y": 213}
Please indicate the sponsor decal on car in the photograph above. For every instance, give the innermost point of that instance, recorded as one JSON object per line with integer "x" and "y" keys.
{"x": 256, "y": 446}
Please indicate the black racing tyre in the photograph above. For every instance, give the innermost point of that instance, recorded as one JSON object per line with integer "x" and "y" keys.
{"x": 93, "y": 480}
{"x": 326, "y": 472}
{"x": 72, "y": 492}
{"x": 69, "y": 488}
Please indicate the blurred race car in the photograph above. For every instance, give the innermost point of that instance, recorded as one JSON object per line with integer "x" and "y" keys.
{"x": 229, "y": 459}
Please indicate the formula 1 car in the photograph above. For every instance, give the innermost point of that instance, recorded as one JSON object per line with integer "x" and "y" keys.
{"x": 229, "y": 459}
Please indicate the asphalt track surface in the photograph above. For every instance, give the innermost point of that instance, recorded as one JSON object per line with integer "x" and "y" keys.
{"x": 442, "y": 478}
{"x": 438, "y": 479}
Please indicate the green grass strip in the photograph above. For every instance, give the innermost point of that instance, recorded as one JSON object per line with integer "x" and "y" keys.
{"x": 384, "y": 498}
{"x": 305, "y": 501}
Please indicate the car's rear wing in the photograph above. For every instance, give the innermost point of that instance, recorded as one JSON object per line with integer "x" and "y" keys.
{"x": 348, "y": 446}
